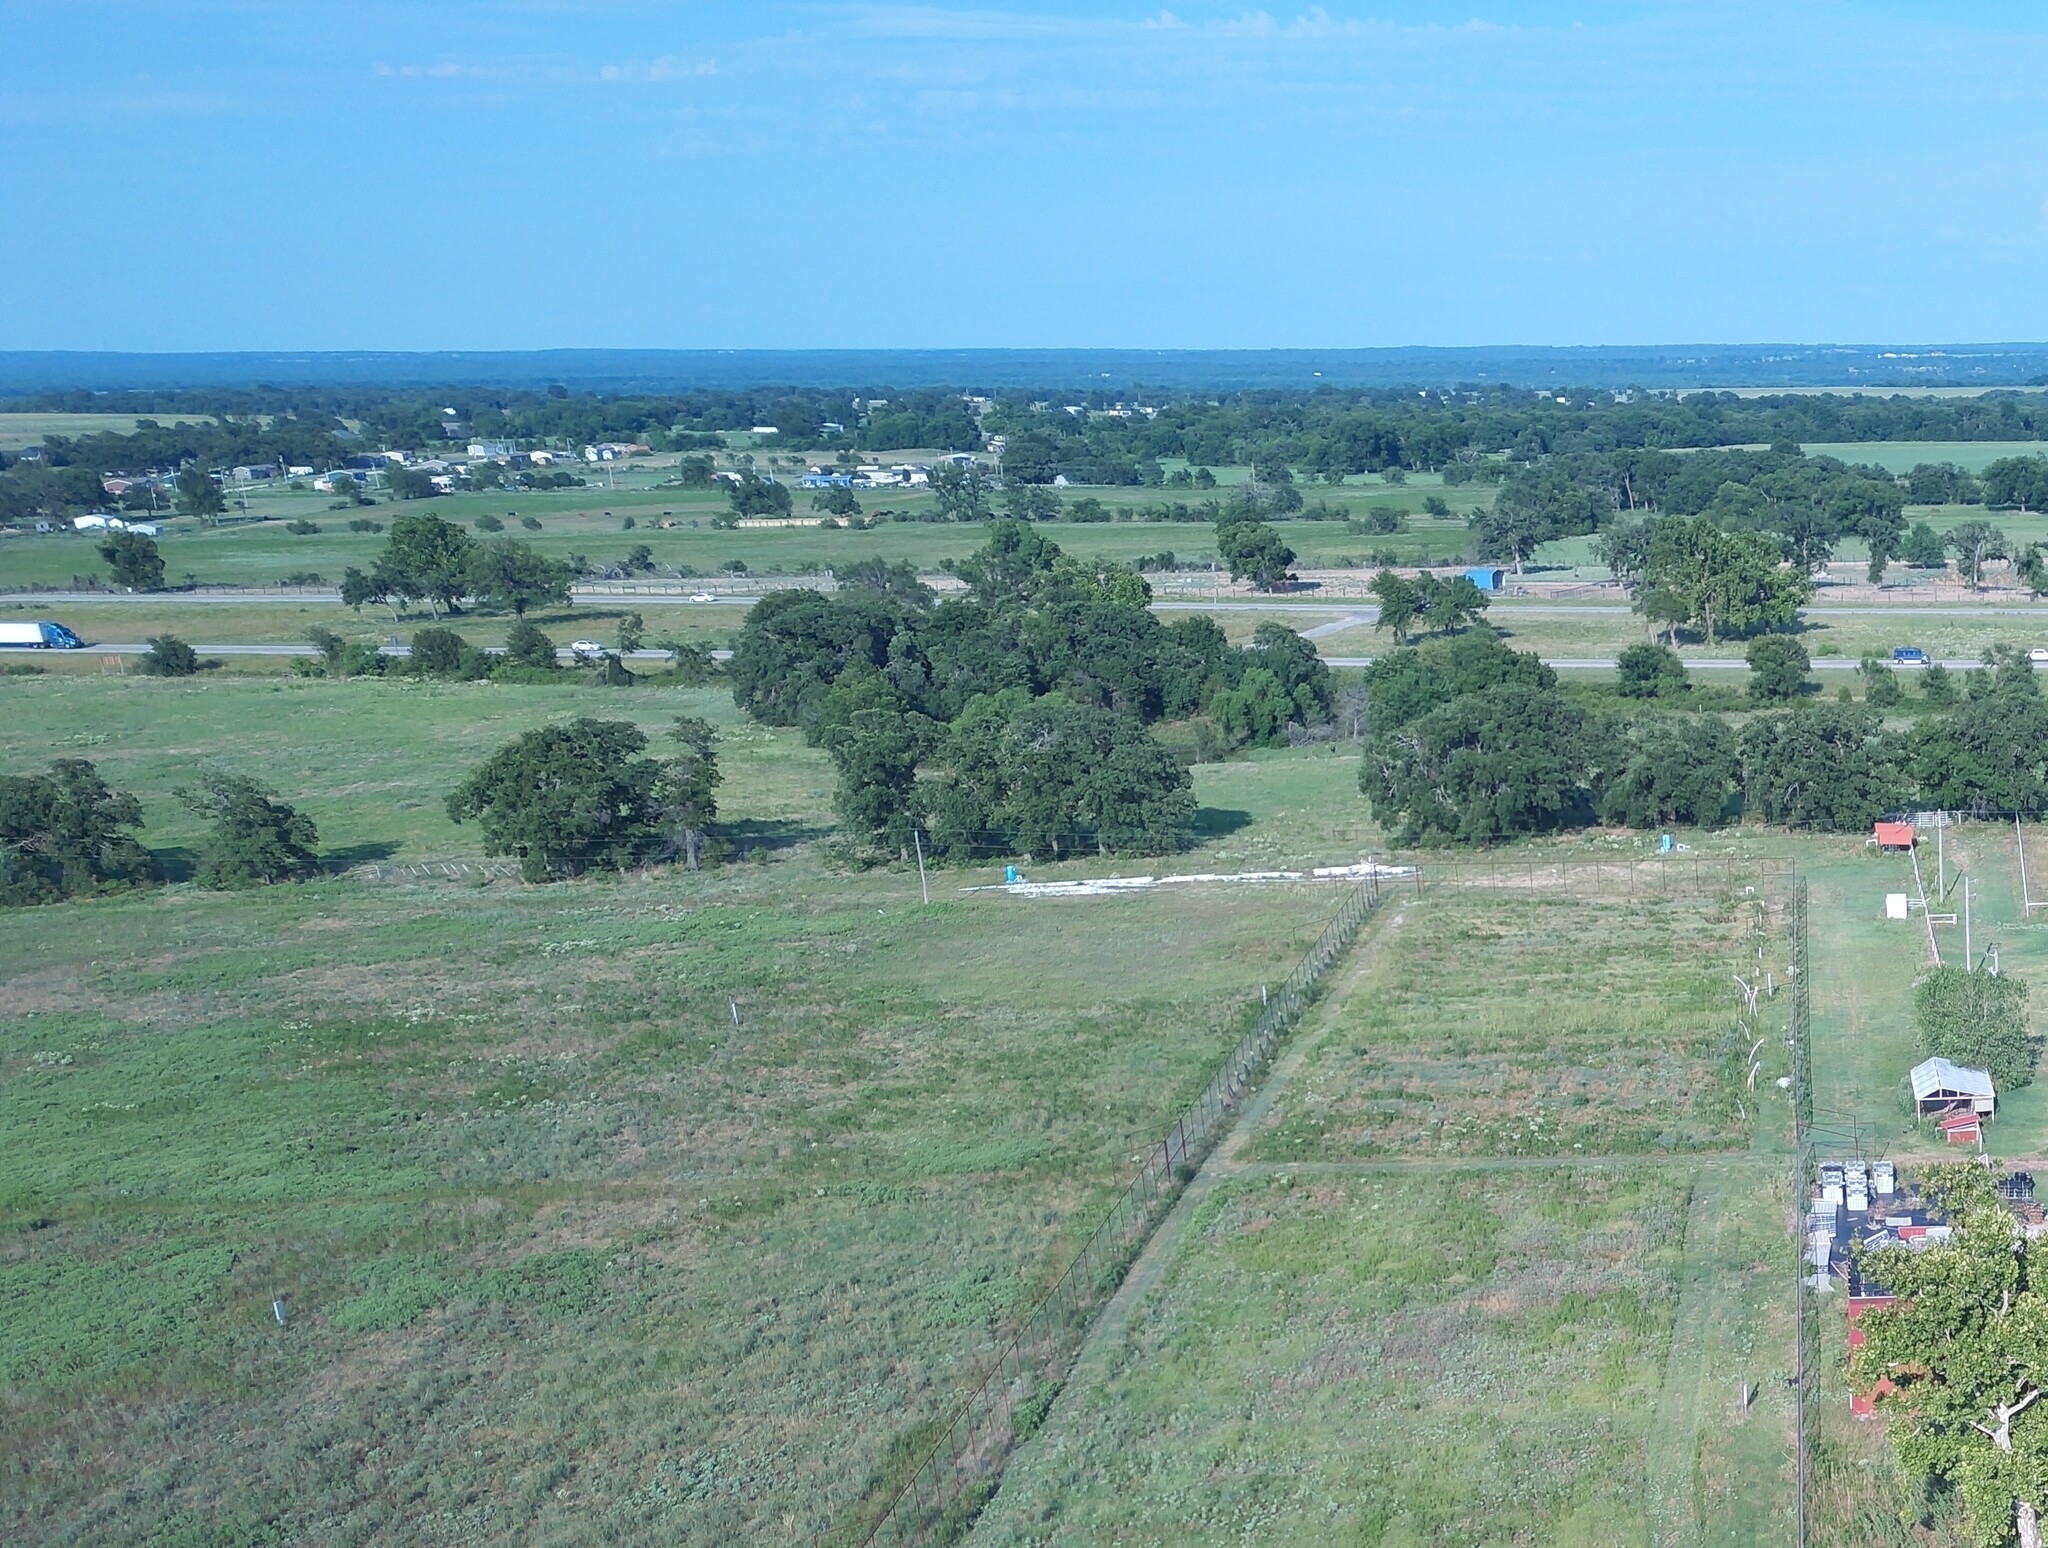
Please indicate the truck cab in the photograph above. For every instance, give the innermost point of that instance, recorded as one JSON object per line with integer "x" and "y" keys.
{"x": 38, "y": 636}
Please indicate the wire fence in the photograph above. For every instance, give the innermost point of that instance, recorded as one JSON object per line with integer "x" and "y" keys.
{"x": 452, "y": 870}
{"x": 1806, "y": 1331}
{"x": 960, "y": 1469}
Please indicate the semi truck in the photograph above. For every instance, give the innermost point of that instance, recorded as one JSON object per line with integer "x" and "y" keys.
{"x": 38, "y": 636}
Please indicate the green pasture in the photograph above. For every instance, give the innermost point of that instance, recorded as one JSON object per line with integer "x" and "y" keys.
{"x": 1383, "y": 1358}
{"x": 253, "y": 548}
{"x": 1865, "y": 967}
{"x": 566, "y": 1253}
{"x": 18, "y": 431}
{"x": 1904, "y": 456}
{"x": 1497, "y": 1024}
{"x": 570, "y": 1255}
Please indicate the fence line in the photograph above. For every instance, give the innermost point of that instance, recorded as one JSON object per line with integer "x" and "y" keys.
{"x": 452, "y": 869}
{"x": 961, "y": 1468}
{"x": 1805, "y": 1325}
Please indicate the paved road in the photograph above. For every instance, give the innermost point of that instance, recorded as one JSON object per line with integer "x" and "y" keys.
{"x": 260, "y": 598}
{"x": 389, "y": 650}
{"x": 1364, "y": 612}
{"x": 1607, "y": 663}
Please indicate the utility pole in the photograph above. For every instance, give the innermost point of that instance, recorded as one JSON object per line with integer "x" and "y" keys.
{"x": 922, "y": 885}
{"x": 1969, "y": 962}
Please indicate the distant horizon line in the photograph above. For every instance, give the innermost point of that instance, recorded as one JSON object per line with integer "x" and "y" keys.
{"x": 1980, "y": 365}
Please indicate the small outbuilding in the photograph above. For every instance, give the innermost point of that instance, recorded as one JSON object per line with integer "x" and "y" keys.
{"x": 1963, "y": 1128}
{"x": 1487, "y": 577}
{"x": 1942, "y": 1087}
{"x": 1894, "y": 835}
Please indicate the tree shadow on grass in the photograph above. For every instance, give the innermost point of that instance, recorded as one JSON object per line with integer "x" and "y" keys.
{"x": 176, "y": 864}
{"x": 752, "y": 836}
{"x": 349, "y": 856}
{"x": 1220, "y": 821}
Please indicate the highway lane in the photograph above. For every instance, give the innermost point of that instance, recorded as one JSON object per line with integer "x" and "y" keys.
{"x": 127, "y": 649}
{"x": 1364, "y": 612}
{"x": 1562, "y": 663}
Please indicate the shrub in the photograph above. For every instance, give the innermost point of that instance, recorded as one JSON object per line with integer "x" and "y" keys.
{"x": 1778, "y": 665}
{"x": 300, "y": 527}
{"x": 134, "y": 560}
{"x": 1881, "y": 687}
{"x": 526, "y": 646}
{"x": 438, "y": 652}
{"x": 488, "y": 523}
{"x": 565, "y": 799}
{"x": 364, "y": 524}
{"x": 1978, "y": 1020}
{"x": 1650, "y": 671}
{"x": 256, "y": 838}
{"x": 169, "y": 656}
{"x": 66, "y": 832}
{"x": 530, "y": 523}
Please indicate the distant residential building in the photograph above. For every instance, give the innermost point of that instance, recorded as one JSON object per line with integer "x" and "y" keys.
{"x": 497, "y": 451}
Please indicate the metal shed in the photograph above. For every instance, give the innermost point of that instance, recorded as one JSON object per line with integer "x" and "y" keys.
{"x": 1487, "y": 577}
{"x": 1940, "y": 1087}
{"x": 1893, "y": 835}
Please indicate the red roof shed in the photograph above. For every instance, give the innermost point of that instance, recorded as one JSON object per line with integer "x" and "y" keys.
{"x": 1963, "y": 1129}
{"x": 1894, "y": 835}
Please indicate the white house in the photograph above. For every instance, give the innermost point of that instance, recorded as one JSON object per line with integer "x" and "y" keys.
{"x": 92, "y": 523}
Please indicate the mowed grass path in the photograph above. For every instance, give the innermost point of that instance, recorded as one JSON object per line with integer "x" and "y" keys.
{"x": 567, "y": 1255}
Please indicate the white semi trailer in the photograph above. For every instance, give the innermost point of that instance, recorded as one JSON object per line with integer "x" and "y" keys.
{"x": 38, "y": 636}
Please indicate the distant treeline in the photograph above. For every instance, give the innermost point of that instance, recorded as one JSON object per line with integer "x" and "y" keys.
{"x": 1470, "y": 742}
{"x": 1614, "y": 445}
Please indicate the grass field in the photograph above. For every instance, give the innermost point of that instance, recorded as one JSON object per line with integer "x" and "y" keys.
{"x": 570, "y": 1257}
{"x": 1904, "y": 456}
{"x": 22, "y": 430}
{"x": 1413, "y": 1359}
{"x": 1350, "y": 1346}
{"x": 590, "y": 522}
{"x": 1498, "y": 1025}
{"x": 566, "y": 1253}
{"x": 1865, "y": 967}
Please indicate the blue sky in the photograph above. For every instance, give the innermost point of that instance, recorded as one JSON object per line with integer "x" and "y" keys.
{"x": 282, "y": 174}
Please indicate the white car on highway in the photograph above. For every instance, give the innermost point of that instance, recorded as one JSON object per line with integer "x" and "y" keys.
{"x": 704, "y": 596}
{"x": 587, "y": 650}
{"x": 2038, "y": 655}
